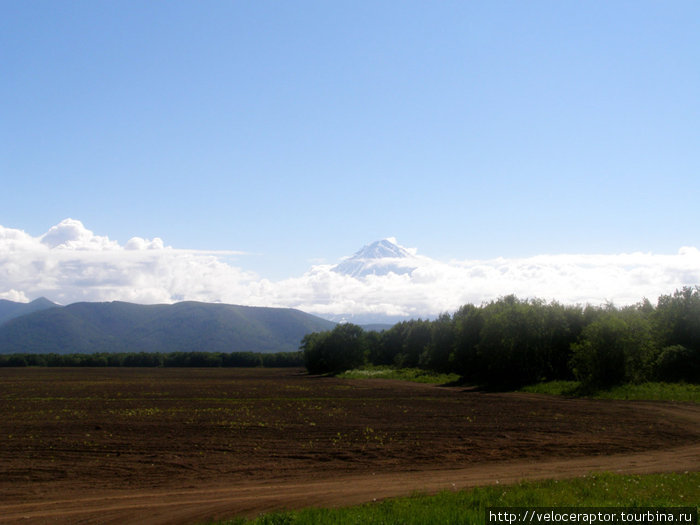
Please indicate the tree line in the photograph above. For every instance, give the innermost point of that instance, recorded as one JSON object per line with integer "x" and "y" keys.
{"x": 156, "y": 359}
{"x": 512, "y": 342}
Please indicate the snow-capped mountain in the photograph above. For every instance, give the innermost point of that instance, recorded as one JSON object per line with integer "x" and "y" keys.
{"x": 379, "y": 258}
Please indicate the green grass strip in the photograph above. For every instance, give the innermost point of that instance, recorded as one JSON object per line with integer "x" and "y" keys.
{"x": 643, "y": 391}
{"x": 651, "y": 391}
{"x": 416, "y": 375}
{"x": 468, "y": 506}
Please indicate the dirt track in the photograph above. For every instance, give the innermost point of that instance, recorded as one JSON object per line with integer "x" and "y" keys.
{"x": 179, "y": 446}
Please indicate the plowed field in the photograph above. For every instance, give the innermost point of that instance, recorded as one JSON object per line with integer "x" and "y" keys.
{"x": 172, "y": 445}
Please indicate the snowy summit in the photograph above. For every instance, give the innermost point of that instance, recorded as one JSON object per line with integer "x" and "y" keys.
{"x": 379, "y": 258}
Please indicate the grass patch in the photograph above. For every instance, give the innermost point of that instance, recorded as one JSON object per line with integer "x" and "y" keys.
{"x": 555, "y": 388}
{"x": 651, "y": 391}
{"x": 643, "y": 391}
{"x": 654, "y": 391}
{"x": 416, "y": 375}
{"x": 462, "y": 507}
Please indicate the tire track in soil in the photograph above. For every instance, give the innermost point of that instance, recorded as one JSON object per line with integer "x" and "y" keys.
{"x": 200, "y": 505}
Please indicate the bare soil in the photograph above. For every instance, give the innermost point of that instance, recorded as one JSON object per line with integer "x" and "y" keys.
{"x": 121, "y": 445}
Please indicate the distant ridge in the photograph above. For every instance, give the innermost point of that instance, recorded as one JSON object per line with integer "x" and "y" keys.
{"x": 10, "y": 309}
{"x": 186, "y": 326}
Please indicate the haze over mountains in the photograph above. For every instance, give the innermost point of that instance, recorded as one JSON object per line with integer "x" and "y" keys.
{"x": 126, "y": 327}
{"x": 383, "y": 282}
{"x": 42, "y": 326}
{"x": 10, "y": 309}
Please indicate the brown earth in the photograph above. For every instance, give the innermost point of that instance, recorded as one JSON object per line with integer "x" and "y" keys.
{"x": 184, "y": 445}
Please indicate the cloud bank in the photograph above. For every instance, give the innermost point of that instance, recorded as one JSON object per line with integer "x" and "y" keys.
{"x": 70, "y": 263}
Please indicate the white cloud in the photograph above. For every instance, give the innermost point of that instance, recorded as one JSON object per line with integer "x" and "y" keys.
{"x": 70, "y": 263}
{"x": 15, "y": 296}
{"x": 72, "y": 235}
{"x": 137, "y": 243}
{"x": 433, "y": 286}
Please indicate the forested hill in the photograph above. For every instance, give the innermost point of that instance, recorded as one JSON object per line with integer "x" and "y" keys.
{"x": 186, "y": 326}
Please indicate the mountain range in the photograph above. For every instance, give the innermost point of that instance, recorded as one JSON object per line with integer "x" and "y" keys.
{"x": 44, "y": 327}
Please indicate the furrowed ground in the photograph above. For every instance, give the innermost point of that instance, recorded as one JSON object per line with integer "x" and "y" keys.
{"x": 169, "y": 445}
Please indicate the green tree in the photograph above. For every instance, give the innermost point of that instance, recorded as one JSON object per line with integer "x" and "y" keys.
{"x": 417, "y": 338}
{"x": 511, "y": 343}
{"x": 677, "y": 318}
{"x": 340, "y": 349}
{"x": 615, "y": 348}
{"x": 436, "y": 354}
{"x": 599, "y": 357}
{"x": 313, "y": 346}
{"x": 467, "y": 324}
{"x": 391, "y": 344}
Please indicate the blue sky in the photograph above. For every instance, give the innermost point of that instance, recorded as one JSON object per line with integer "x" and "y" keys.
{"x": 300, "y": 131}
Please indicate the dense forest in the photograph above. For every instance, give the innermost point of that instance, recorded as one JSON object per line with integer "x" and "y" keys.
{"x": 511, "y": 342}
{"x": 152, "y": 359}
